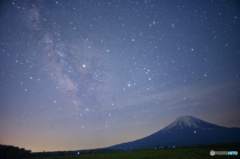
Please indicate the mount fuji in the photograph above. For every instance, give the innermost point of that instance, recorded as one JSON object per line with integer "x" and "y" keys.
{"x": 185, "y": 130}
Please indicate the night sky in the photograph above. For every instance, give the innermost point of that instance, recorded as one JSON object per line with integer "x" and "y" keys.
{"x": 91, "y": 74}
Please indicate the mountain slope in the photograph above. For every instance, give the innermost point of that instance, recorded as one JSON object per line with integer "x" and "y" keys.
{"x": 185, "y": 130}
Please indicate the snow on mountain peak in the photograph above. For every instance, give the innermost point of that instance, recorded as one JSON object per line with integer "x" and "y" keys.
{"x": 184, "y": 121}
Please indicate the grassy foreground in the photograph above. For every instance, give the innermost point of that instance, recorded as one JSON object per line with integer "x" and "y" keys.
{"x": 178, "y": 153}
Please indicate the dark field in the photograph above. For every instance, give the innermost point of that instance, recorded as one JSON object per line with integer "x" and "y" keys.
{"x": 177, "y": 153}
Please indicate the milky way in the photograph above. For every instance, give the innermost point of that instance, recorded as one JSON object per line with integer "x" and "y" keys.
{"x": 91, "y": 74}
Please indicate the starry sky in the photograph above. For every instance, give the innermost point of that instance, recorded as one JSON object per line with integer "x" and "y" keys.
{"x": 91, "y": 74}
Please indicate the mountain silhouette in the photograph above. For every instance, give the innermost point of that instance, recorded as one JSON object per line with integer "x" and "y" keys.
{"x": 185, "y": 130}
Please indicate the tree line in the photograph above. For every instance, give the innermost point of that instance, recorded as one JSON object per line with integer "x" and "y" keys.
{"x": 11, "y": 152}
